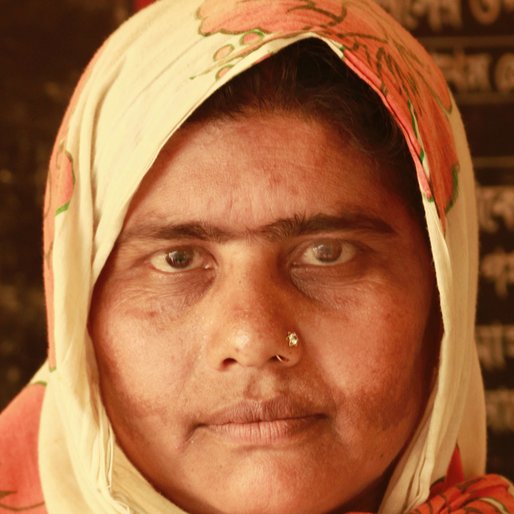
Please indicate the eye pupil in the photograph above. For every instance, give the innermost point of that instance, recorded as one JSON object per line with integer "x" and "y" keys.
{"x": 179, "y": 258}
{"x": 327, "y": 252}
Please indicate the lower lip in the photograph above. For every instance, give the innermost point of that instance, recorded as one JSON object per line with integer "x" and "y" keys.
{"x": 266, "y": 433}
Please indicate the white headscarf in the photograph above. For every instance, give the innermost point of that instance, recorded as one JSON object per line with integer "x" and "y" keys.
{"x": 145, "y": 81}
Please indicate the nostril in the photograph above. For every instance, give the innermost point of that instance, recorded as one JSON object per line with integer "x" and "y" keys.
{"x": 228, "y": 362}
{"x": 280, "y": 358}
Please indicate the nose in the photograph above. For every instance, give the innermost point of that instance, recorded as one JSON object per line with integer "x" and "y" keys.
{"x": 254, "y": 325}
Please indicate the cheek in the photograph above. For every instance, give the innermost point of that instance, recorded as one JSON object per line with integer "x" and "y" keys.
{"x": 373, "y": 353}
{"x": 141, "y": 355}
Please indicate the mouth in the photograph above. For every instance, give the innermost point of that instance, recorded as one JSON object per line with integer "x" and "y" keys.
{"x": 263, "y": 423}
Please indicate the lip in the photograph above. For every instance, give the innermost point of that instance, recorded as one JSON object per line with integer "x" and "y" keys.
{"x": 263, "y": 423}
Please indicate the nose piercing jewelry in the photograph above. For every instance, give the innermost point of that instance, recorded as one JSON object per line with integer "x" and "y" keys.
{"x": 293, "y": 339}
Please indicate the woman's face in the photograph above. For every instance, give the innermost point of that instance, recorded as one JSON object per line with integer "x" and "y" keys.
{"x": 243, "y": 231}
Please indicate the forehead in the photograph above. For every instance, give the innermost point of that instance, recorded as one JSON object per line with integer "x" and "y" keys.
{"x": 252, "y": 170}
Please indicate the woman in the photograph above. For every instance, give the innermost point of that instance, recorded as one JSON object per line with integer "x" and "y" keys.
{"x": 253, "y": 304}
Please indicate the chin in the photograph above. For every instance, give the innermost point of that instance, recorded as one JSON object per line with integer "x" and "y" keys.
{"x": 267, "y": 490}
{"x": 254, "y": 501}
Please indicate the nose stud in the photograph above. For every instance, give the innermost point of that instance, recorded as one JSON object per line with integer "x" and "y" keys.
{"x": 293, "y": 341}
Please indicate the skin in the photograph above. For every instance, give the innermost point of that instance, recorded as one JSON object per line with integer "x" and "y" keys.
{"x": 204, "y": 284}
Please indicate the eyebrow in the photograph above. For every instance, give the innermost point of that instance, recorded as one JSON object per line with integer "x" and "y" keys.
{"x": 279, "y": 230}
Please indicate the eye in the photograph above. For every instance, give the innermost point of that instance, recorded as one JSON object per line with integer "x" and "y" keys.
{"x": 327, "y": 252}
{"x": 180, "y": 259}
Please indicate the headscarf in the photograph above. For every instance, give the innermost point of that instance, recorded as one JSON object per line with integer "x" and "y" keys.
{"x": 139, "y": 89}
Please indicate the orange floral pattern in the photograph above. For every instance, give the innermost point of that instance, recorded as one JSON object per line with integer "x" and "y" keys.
{"x": 60, "y": 186}
{"x": 376, "y": 48}
{"x": 20, "y": 486}
{"x": 488, "y": 494}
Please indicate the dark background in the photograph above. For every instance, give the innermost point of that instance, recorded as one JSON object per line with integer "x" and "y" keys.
{"x": 45, "y": 45}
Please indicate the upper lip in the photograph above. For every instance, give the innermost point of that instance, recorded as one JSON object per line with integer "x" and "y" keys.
{"x": 255, "y": 411}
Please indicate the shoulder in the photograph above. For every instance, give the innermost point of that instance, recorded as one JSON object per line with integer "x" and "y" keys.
{"x": 20, "y": 486}
{"x": 486, "y": 494}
